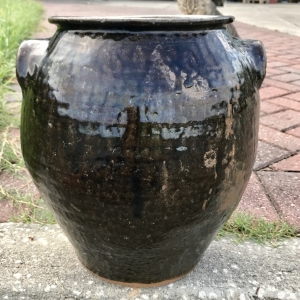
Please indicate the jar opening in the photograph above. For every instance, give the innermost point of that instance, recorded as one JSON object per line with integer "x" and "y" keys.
{"x": 142, "y": 23}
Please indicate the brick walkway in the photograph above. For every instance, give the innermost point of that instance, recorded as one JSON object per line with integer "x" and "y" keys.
{"x": 274, "y": 188}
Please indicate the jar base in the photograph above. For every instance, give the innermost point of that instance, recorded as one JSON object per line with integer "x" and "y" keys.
{"x": 137, "y": 284}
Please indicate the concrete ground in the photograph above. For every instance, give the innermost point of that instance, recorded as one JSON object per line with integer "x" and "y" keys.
{"x": 283, "y": 17}
{"x": 46, "y": 268}
{"x": 39, "y": 263}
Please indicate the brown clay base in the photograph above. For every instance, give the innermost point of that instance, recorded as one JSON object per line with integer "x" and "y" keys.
{"x": 140, "y": 285}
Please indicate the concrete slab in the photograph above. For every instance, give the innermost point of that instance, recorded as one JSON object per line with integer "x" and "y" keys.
{"x": 283, "y": 17}
{"x": 39, "y": 263}
{"x": 13, "y": 97}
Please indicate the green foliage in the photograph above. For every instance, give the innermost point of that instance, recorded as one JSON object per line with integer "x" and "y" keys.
{"x": 18, "y": 19}
{"x": 247, "y": 227}
{"x": 10, "y": 156}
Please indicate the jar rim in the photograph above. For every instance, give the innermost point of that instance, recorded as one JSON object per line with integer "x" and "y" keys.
{"x": 141, "y": 23}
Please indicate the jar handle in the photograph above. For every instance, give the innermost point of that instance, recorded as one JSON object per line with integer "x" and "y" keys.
{"x": 29, "y": 57}
{"x": 258, "y": 58}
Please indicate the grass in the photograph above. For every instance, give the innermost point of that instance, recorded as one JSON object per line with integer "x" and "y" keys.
{"x": 244, "y": 226}
{"x": 18, "y": 20}
{"x": 30, "y": 209}
{"x": 10, "y": 155}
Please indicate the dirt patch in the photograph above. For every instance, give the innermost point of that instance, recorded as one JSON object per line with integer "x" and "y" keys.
{"x": 12, "y": 190}
{"x": 7, "y": 210}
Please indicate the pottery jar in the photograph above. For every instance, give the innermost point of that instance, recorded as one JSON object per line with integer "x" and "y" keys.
{"x": 140, "y": 134}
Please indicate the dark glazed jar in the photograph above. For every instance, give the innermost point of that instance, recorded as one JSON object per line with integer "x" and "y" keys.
{"x": 140, "y": 133}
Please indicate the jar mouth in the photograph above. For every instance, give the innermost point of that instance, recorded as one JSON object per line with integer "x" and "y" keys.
{"x": 142, "y": 23}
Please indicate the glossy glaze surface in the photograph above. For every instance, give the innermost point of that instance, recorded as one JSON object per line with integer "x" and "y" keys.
{"x": 142, "y": 143}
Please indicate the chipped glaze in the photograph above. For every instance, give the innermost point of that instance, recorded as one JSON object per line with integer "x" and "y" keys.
{"x": 140, "y": 135}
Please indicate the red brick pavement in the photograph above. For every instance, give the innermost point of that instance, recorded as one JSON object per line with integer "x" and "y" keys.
{"x": 273, "y": 190}
{"x": 279, "y": 183}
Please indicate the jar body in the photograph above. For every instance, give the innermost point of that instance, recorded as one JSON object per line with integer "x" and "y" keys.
{"x": 142, "y": 144}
